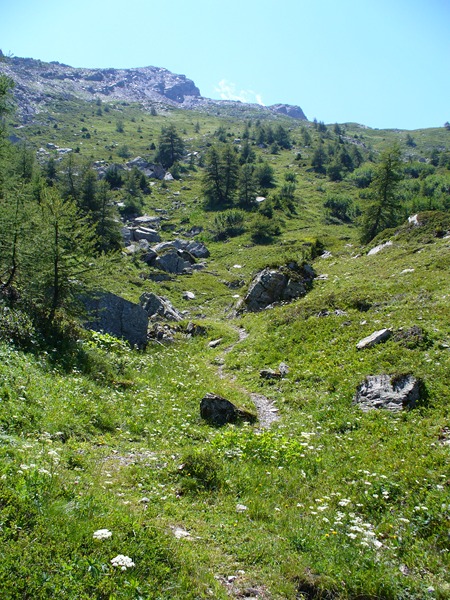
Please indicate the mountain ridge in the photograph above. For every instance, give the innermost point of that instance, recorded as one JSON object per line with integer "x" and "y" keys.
{"x": 37, "y": 83}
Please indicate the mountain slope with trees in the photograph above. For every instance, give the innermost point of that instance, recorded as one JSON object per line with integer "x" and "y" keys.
{"x": 111, "y": 484}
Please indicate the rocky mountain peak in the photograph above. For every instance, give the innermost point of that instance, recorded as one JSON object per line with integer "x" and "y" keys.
{"x": 38, "y": 83}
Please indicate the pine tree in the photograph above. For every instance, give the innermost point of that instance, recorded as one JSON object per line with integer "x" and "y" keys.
{"x": 383, "y": 209}
{"x": 171, "y": 146}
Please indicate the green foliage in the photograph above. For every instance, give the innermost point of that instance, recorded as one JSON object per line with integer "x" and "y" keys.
{"x": 96, "y": 435}
{"x": 263, "y": 229}
{"x": 340, "y": 208}
{"x": 220, "y": 179}
{"x": 170, "y": 147}
{"x": 382, "y": 211}
{"x": 228, "y": 224}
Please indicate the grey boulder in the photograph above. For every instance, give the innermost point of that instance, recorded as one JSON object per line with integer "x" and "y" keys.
{"x": 393, "y": 393}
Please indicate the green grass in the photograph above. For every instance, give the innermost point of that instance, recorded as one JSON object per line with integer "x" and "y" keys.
{"x": 330, "y": 502}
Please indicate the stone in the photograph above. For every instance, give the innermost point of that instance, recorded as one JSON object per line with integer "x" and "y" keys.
{"x": 269, "y": 374}
{"x": 172, "y": 262}
{"x": 196, "y": 249}
{"x": 391, "y": 393}
{"x": 379, "y": 248}
{"x": 127, "y": 235}
{"x": 112, "y": 314}
{"x": 277, "y": 285}
{"x": 193, "y": 329}
{"x": 375, "y": 338}
{"x": 145, "y": 233}
{"x": 159, "y": 308}
{"x": 149, "y": 256}
{"x": 214, "y": 343}
{"x": 147, "y": 220}
{"x": 220, "y": 411}
{"x": 289, "y": 110}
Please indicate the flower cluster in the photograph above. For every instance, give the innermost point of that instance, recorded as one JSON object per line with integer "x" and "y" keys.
{"x": 122, "y": 561}
{"x": 102, "y": 534}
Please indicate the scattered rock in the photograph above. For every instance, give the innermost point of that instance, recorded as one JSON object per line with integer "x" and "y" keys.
{"x": 145, "y": 233}
{"x": 391, "y": 393}
{"x": 375, "y": 338}
{"x": 194, "y": 329}
{"x": 146, "y": 221}
{"x": 284, "y": 369}
{"x": 337, "y": 312}
{"x": 219, "y": 411}
{"x": 172, "y": 262}
{"x": 181, "y": 534}
{"x": 161, "y": 333}
{"x": 379, "y": 248}
{"x": 114, "y": 315}
{"x": 270, "y": 374}
{"x": 158, "y": 308}
{"x": 277, "y": 285}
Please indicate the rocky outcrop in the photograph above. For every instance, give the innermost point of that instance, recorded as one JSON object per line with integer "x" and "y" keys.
{"x": 38, "y": 84}
{"x": 219, "y": 411}
{"x": 391, "y": 393}
{"x": 295, "y": 112}
{"x": 277, "y": 285}
{"x": 159, "y": 308}
{"x": 112, "y": 314}
{"x": 197, "y": 249}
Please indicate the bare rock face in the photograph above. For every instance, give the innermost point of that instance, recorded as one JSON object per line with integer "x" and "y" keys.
{"x": 220, "y": 411}
{"x": 277, "y": 285}
{"x": 291, "y": 111}
{"x": 37, "y": 82}
{"x": 112, "y": 314}
{"x": 391, "y": 393}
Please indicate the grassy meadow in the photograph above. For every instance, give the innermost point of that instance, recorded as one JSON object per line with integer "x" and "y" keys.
{"x": 111, "y": 485}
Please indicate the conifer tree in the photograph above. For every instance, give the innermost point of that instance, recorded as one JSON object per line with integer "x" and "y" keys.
{"x": 383, "y": 209}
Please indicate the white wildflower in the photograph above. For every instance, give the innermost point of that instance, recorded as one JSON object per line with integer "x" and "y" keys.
{"x": 344, "y": 502}
{"x": 122, "y": 561}
{"x": 102, "y": 534}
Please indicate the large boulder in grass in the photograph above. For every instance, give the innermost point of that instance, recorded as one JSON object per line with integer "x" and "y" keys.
{"x": 112, "y": 314}
{"x": 220, "y": 411}
{"x": 159, "y": 308}
{"x": 277, "y": 285}
{"x": 394, "y": 393}
{"x": 174, "y": 261}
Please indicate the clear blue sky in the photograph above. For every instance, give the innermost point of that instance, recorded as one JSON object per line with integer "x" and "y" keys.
{"x": 383, "y": 63}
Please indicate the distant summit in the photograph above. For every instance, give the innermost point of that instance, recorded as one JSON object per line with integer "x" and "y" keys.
{"x": 38, "y": 83}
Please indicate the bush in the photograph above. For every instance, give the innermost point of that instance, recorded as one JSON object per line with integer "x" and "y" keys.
{"x": 263, "y": 230}
{"x": 229, "y": 224}
{"x": 16, "y": 327}
{"x": 340, "y": 208}
{"x": 200, "y": 470}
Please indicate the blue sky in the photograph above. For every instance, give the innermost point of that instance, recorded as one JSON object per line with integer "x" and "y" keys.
{"x": 383, "y": 63}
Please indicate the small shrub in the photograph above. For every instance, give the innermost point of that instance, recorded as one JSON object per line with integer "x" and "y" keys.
{"x": 229, "y": 224}
{"x": 263, "y": 230}
{"x": 200, "y": 470}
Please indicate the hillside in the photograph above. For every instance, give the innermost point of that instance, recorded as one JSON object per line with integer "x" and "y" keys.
{"x": 112, "y": 485}
{"x": 38, "y": 84}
